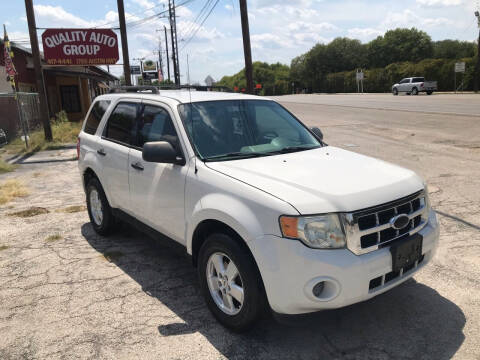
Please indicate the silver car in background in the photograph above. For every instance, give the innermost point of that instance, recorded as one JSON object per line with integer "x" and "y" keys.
{"x": 414, "y": 85}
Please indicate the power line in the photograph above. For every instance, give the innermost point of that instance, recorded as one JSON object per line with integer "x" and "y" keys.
{"x": 191, "y": 26}
{"x": 198, "y": 28}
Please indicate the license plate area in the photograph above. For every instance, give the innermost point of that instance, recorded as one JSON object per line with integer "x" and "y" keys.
{"x": 405, "y": 253}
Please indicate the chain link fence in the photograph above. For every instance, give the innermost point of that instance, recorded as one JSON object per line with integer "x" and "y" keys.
{"x": 20, "y": 114}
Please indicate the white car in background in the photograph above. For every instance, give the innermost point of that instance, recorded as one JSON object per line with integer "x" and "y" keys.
{"x": 272, "y": 217}
{"x": 414, "y": 86}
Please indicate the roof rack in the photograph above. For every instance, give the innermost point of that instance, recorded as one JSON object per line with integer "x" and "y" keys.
{"x": 143, "y": 88}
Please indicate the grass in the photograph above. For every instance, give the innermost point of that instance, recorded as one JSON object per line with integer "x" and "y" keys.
{"x": 112, "y": 256}
{"x": 12, "y": 189}
{"x": 3, "y": 247}
{"x": 73, "y": 209}
{"x": 63, "y": 131}
{"x": 33, "y": 211}
{"x": 53, "y": 238}
{"x": 6, "y": 167}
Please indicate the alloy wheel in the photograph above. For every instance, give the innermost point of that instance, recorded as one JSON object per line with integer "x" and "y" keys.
{"x": 225, "y": 283}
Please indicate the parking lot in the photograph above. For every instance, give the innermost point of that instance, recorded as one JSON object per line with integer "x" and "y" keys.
{"x": 66, "y": 292}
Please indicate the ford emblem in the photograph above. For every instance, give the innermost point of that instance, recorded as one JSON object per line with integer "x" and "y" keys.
{"x": 400, "y": 221}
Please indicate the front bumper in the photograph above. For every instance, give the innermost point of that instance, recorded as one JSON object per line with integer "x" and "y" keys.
{"x": 290, "y": 270}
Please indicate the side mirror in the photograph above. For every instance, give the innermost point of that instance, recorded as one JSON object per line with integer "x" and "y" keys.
{"x": 318, "y": 133}
{"x": 161, "y": 152}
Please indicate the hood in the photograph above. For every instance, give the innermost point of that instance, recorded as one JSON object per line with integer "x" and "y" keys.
{"x": 326, "y": 179}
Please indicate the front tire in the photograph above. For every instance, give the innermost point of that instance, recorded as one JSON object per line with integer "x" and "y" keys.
{"x": 230, "y": 282}
{"x": 99, "y": 209}
{"x": 395, "y": 91}
{"x": 414, "y": 91}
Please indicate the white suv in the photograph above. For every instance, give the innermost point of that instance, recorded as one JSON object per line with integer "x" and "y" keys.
{"x": 271, "y": 215}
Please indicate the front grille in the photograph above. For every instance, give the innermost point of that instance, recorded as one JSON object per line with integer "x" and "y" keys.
{"x": 392, "y": 275}
{"x": 369, "y": 229}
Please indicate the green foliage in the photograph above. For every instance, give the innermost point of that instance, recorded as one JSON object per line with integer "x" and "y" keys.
{"x": 453, "y": 49}
{"x": 274, "y": 78}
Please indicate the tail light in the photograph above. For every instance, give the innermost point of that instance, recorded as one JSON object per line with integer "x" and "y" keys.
{"x": 421, "y": 85}
{"x": 78, "y": 148}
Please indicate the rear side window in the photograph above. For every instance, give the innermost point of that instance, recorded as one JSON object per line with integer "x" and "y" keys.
{"x": 415, "y": 80}
{"x": 95, "y": 116}
{"x": 121, "y": 123}
{"x": 155, "y": 124}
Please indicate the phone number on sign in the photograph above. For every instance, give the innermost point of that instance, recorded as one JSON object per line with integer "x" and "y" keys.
{"x": 97, "y": 61}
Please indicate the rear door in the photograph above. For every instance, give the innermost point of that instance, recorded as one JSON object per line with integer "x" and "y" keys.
{"x": 157, "y": 190}
{"x": 113, "y": 150}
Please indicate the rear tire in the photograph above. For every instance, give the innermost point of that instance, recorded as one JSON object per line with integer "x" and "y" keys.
{"x": 99, "y": 209}
{"x": 414, "y": 91}
{"x": 395, "y": 91}
{"x": 429, "y": 92}
{"x": 238, "y": 313}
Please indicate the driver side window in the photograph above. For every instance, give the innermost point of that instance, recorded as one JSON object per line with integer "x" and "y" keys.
{"x": 155, "y": 124}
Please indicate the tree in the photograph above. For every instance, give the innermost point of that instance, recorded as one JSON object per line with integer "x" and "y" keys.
{"x": 453, "y": 49}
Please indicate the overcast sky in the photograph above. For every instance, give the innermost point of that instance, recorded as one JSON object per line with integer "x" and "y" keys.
{"x": 280, "y": 29}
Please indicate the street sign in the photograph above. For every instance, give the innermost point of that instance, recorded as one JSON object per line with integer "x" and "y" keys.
{"x": 135, "y": 70}
{"x": 359, "y": 76}
{"x": 460, "y": 67}
{"x": 149, "y": 66}
{"x": 74, "y": 47}
{"x": 258, "y": 86}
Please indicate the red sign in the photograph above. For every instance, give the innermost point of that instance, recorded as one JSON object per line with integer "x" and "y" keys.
{"x": 80, "y": 46}
{"x": 235, "y": 88}
{"x": 258, "y": 86}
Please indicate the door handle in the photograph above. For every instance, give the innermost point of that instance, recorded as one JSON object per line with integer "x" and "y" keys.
{"x": 101, "y": 152}
{"x": 137, "y": 166}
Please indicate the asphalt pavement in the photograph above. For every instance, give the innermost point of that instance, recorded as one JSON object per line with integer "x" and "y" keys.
{"x": 66, "y": 292}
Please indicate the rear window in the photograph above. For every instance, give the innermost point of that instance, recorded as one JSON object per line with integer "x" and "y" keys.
{"x": 95, "y": 116}
{"x": 121, "y": 123}
{"x": 415, "y": 80}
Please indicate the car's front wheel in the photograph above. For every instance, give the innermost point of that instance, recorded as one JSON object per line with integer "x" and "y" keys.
{"x": 98, "y": 208}
{"x": 230, "y": 282}
{"x": 395, "y": 91}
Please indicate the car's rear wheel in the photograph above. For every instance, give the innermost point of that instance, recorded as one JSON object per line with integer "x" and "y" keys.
{"x": 414, "y": 91}
{"x": 98, "y": 208}
{"x": 230, "y": 282}
{"x": 395, "y": 91}
{"x": 429, "y": 92}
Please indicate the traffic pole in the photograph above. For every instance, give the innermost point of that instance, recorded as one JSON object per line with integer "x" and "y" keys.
{"x": 247, "y": 50}
{"x": 123, "y": 35}
{"x": 37, "y": 63}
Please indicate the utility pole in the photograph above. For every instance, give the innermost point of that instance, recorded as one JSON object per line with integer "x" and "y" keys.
{"x": 173, "y": 31}
{"x": 247, "y": 50}
{"x": 123, "y": 35}
{"x": 37, "y": 62}
{"x": 166, "y": 49}
{"x": 160, "y": 60}
{"x": 477, "y": 67}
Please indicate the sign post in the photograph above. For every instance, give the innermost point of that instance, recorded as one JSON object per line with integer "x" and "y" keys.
{"x": 359, "y": 76}
{"x": 459, "y": 68}
{"x": 80, "y": 47}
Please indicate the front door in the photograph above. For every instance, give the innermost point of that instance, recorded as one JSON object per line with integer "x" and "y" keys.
{"x": 157, "y": 190}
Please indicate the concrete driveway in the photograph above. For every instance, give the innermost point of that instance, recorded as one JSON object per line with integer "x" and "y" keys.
{"x": 66, "y": 292}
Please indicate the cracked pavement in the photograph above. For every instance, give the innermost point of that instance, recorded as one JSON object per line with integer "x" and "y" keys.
{"x": 80, "y": 295}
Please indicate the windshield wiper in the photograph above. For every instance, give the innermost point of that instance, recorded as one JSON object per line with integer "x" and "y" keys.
{"x": 290, "y": 149}
{"x": 236, "y": 155}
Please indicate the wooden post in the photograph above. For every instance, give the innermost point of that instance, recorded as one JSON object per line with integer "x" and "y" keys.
{"x": 40, "y": 81}
{"x": 247, "y": 50}
{"x": 123, "y": 35}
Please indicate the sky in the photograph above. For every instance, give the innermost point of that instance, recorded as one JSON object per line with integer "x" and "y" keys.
{"x": 280, "y": 29}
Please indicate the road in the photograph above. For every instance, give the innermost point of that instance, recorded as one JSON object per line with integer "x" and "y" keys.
{"x": 84, "y": 296}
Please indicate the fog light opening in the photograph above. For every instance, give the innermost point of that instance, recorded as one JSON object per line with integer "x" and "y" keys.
{"x": 318, "y": 289}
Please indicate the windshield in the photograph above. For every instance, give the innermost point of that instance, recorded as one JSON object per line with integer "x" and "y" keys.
{"x": 229, "y": 129}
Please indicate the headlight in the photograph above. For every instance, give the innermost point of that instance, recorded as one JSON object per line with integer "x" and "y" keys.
{"x": 320, "y": 232}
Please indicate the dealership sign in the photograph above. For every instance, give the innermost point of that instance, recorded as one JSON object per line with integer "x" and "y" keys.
{"x": 80, "y": 46}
